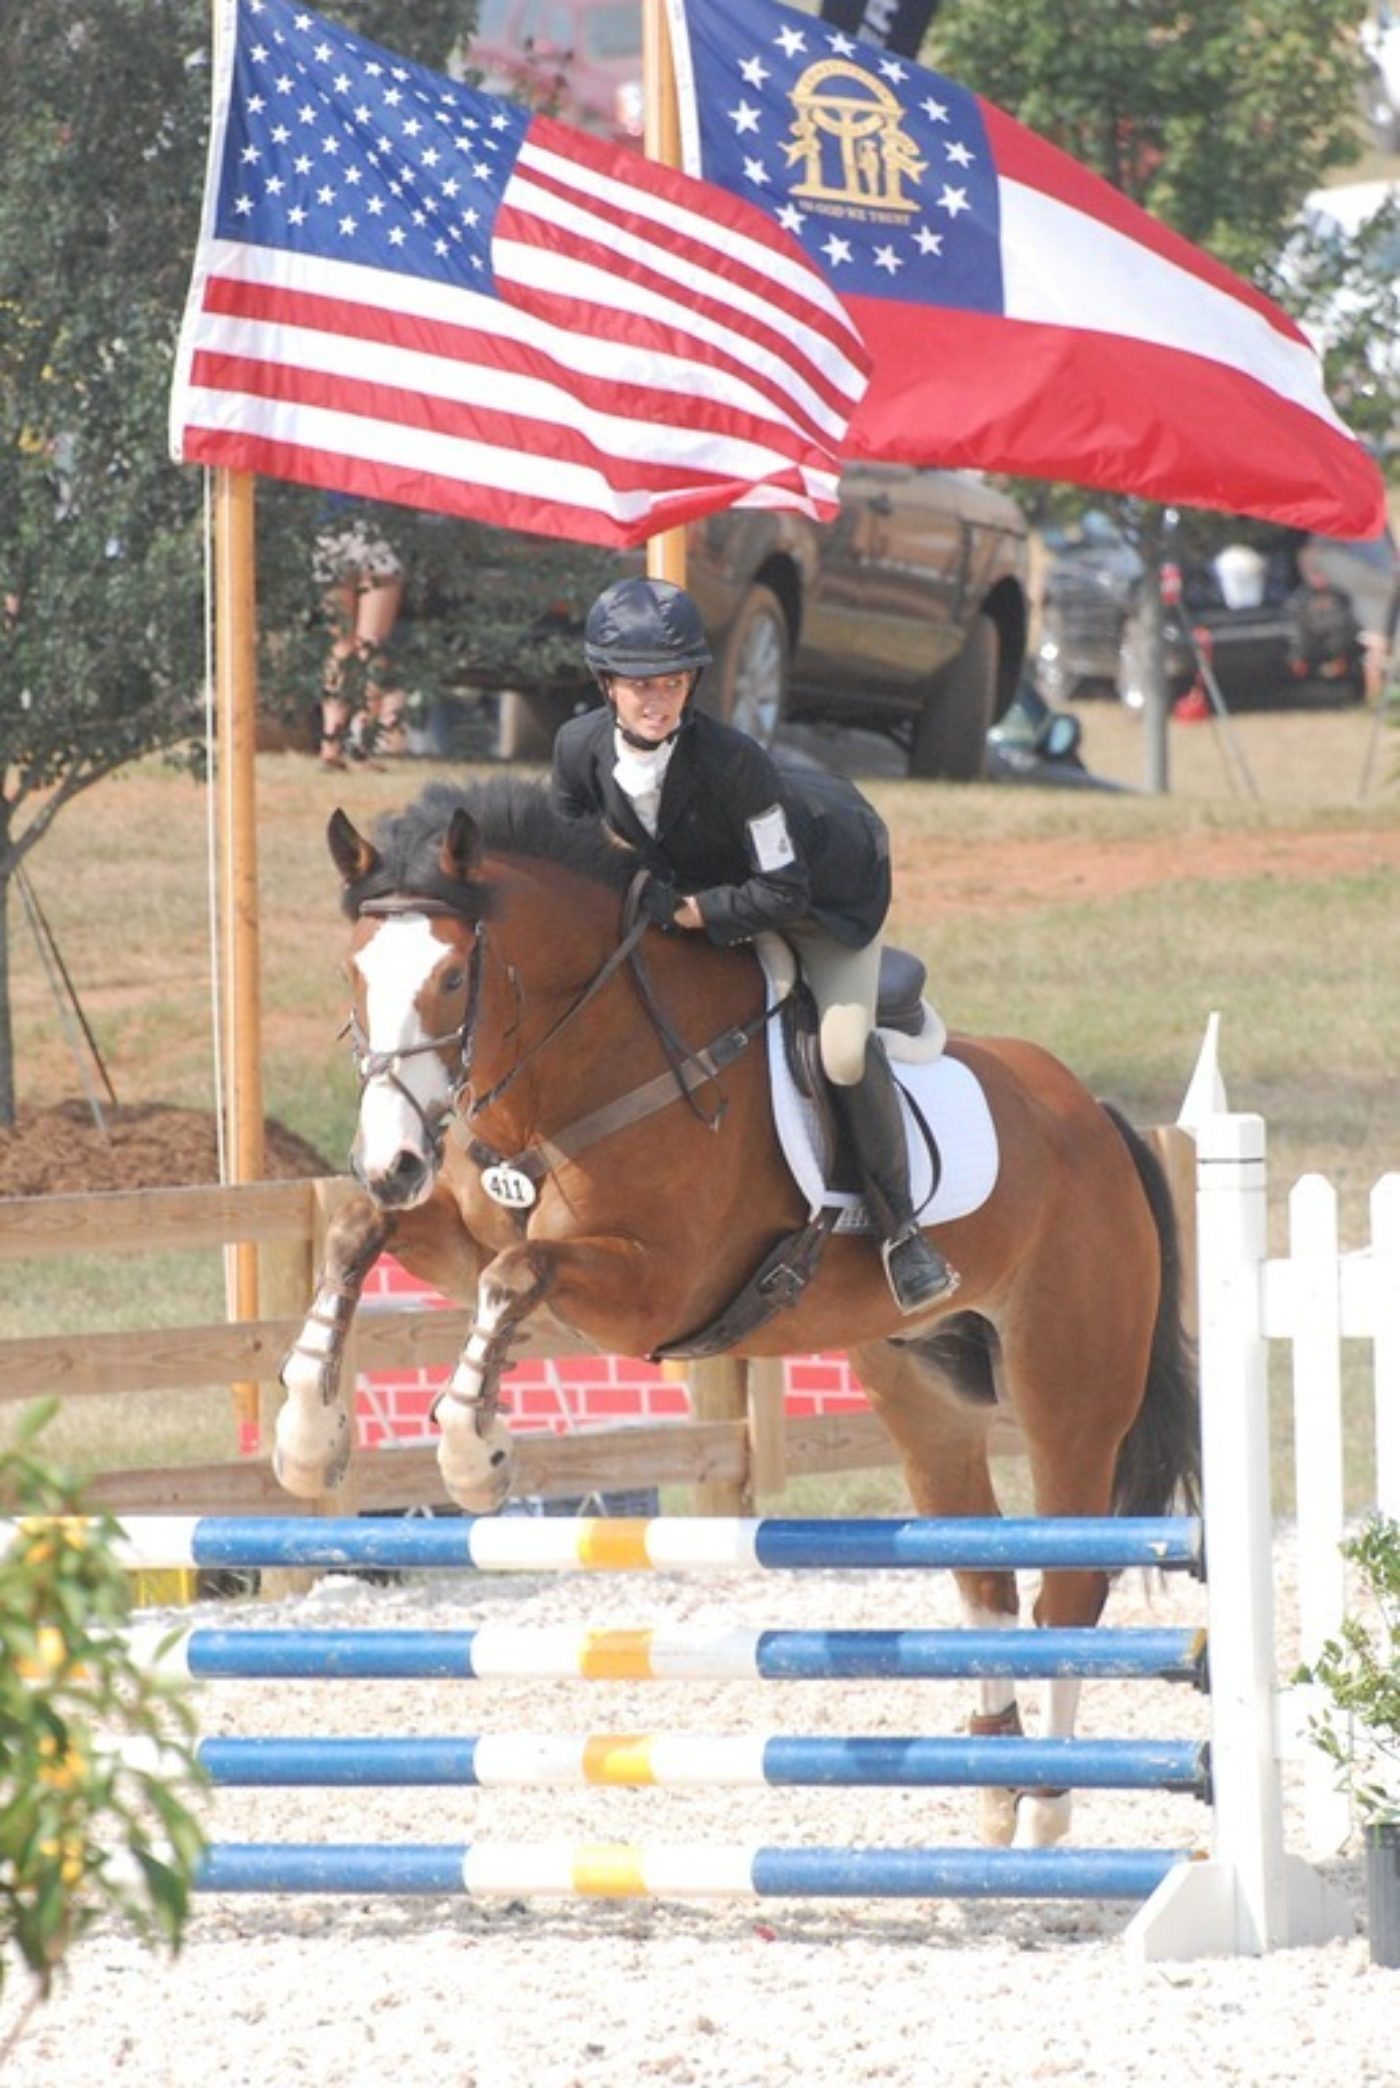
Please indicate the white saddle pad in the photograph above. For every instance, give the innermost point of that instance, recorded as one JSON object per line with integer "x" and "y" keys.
{"x": 949, "y": 1095}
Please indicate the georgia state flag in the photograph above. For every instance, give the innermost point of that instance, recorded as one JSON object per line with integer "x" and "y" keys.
{"x": 1022, "y": 315}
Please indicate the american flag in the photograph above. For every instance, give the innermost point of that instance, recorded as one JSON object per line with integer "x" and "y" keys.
{"x": 409, "y": 290}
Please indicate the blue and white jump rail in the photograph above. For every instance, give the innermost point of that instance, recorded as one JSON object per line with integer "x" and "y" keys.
{"x": 677, "y": 1760}
{"x": 496, "y": 1653}
{"x": 700, "y": 1761}
{"x": 674, "y": 1543}
{"x": 1249, "y": 1895}
{"x": 697, "y": 1870}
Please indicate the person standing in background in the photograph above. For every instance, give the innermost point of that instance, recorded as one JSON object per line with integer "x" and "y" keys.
{"x": 361, "y": 709}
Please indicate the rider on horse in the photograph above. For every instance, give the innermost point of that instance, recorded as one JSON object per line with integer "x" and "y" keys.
{"x": 734, "y": 847}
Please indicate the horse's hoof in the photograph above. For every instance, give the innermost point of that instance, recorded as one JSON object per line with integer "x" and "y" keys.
{"x": 479, "y": 1482}
{"x": 1042, "y": 1819}
{"x": 997, "y": 1816}
{"x": 306, "y": 1478}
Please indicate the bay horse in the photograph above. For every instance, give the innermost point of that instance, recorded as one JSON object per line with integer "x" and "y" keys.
{"x": 497, "y": 1026}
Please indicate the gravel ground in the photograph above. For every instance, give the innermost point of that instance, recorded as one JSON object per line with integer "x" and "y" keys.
{"x": 558, "y": 1994}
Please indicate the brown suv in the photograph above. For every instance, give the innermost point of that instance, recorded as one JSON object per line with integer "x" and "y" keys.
{"x": 907, "y": 614}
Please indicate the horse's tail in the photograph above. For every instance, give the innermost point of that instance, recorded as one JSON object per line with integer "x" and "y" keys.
{"x": 1159, "y": 1463}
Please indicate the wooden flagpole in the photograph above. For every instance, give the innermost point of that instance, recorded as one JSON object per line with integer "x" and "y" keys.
{"x": 236, "y": 708}
{"x": 662, "y": 138}
{"x": 236, "y": 726}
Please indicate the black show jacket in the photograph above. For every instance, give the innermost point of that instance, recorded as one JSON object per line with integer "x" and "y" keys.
{"x": 718, "y": 781}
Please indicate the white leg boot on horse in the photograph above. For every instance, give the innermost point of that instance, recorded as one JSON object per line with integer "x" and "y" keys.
{"x": 918, "y": 1275}
{"x": 314, "y": 1439}
{"x": 475, "y": 1454}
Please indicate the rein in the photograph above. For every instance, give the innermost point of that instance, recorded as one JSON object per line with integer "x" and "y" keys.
{"x": 595, "y": 985}
{"x": 688, "y": 1069}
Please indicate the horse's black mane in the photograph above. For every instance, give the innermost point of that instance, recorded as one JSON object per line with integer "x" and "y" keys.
{"x": 514, "y": 817}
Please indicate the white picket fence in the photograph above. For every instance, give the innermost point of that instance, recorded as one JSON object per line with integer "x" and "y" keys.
{"x": 1316, "y": 1297}
{"x": 1254, "y": 1894}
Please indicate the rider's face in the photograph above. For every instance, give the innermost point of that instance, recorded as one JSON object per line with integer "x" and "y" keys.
{"x": 651, "y": 707}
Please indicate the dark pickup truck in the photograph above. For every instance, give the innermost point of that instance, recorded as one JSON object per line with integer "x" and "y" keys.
{"x": 906, "y": 615}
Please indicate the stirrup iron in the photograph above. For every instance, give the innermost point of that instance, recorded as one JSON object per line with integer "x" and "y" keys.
{"x": 929, "y": 1281}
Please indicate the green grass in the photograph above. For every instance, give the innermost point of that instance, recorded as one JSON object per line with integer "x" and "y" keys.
{"x": 71, "y": 1293}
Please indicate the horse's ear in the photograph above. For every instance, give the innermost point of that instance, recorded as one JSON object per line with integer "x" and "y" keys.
{"x": 354, "y": 857}
{"x": 461, "y": 847}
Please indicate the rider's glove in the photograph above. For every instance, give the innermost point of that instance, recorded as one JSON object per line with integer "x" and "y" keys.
{"x": 656, "y": 901}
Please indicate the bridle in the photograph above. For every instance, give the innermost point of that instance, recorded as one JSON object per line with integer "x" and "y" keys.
{"x": 384, "y": 1065}
{"x": 688, "y": 1069}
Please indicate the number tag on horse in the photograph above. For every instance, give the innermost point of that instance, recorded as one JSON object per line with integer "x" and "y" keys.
{"x": 507, "y": 1185}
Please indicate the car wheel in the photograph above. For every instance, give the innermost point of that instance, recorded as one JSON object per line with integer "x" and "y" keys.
{"x": 950, "y": 738}
{"x": 751, "y": 680}
{"x": 526, "y": 722}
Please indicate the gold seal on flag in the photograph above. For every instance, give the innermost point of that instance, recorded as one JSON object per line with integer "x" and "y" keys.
{"x": 848, "y": 134}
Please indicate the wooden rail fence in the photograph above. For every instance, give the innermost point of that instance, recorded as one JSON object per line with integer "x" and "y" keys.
{"x": 738, "y": 1444}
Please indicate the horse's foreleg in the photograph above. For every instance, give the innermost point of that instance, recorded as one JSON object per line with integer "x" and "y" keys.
{"x": 475, "y": 1454}
{"x": 315, "y": 1434}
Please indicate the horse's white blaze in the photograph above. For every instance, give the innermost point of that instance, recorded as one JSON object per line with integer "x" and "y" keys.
{"x": 395, "y": 965}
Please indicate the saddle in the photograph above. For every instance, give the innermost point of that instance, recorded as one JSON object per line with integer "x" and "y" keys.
{"x": 912, "y": 1030}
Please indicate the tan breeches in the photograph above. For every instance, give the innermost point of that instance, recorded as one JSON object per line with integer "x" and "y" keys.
{"x": 844, "y": 984}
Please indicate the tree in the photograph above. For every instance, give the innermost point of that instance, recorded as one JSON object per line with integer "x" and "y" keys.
{"x": 103, "y": 120}
{"x": 1215, "y": 117}
{"x": 97, "y": 1755}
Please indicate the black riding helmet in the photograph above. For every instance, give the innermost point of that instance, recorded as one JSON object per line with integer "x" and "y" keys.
{"x": 643, "y": 627}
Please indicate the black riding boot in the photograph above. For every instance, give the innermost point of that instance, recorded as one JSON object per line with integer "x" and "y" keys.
{"x": 918, "y": 1274}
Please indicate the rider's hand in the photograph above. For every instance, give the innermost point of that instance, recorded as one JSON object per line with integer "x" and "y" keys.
{"x": 688, "y": 914}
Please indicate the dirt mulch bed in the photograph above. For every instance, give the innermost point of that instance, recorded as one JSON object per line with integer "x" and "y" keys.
{"x": 148, "y": 1145}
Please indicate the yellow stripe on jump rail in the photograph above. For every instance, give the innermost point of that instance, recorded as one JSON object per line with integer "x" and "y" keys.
{"x": 609, "y": 1870}
{"x": 619, "y": 1758}
{"x": 616, "y": 1656}
{"x": 615, "y": 1545}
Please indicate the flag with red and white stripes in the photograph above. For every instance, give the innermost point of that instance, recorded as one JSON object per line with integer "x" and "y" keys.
{"x": 414, "y": 292}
